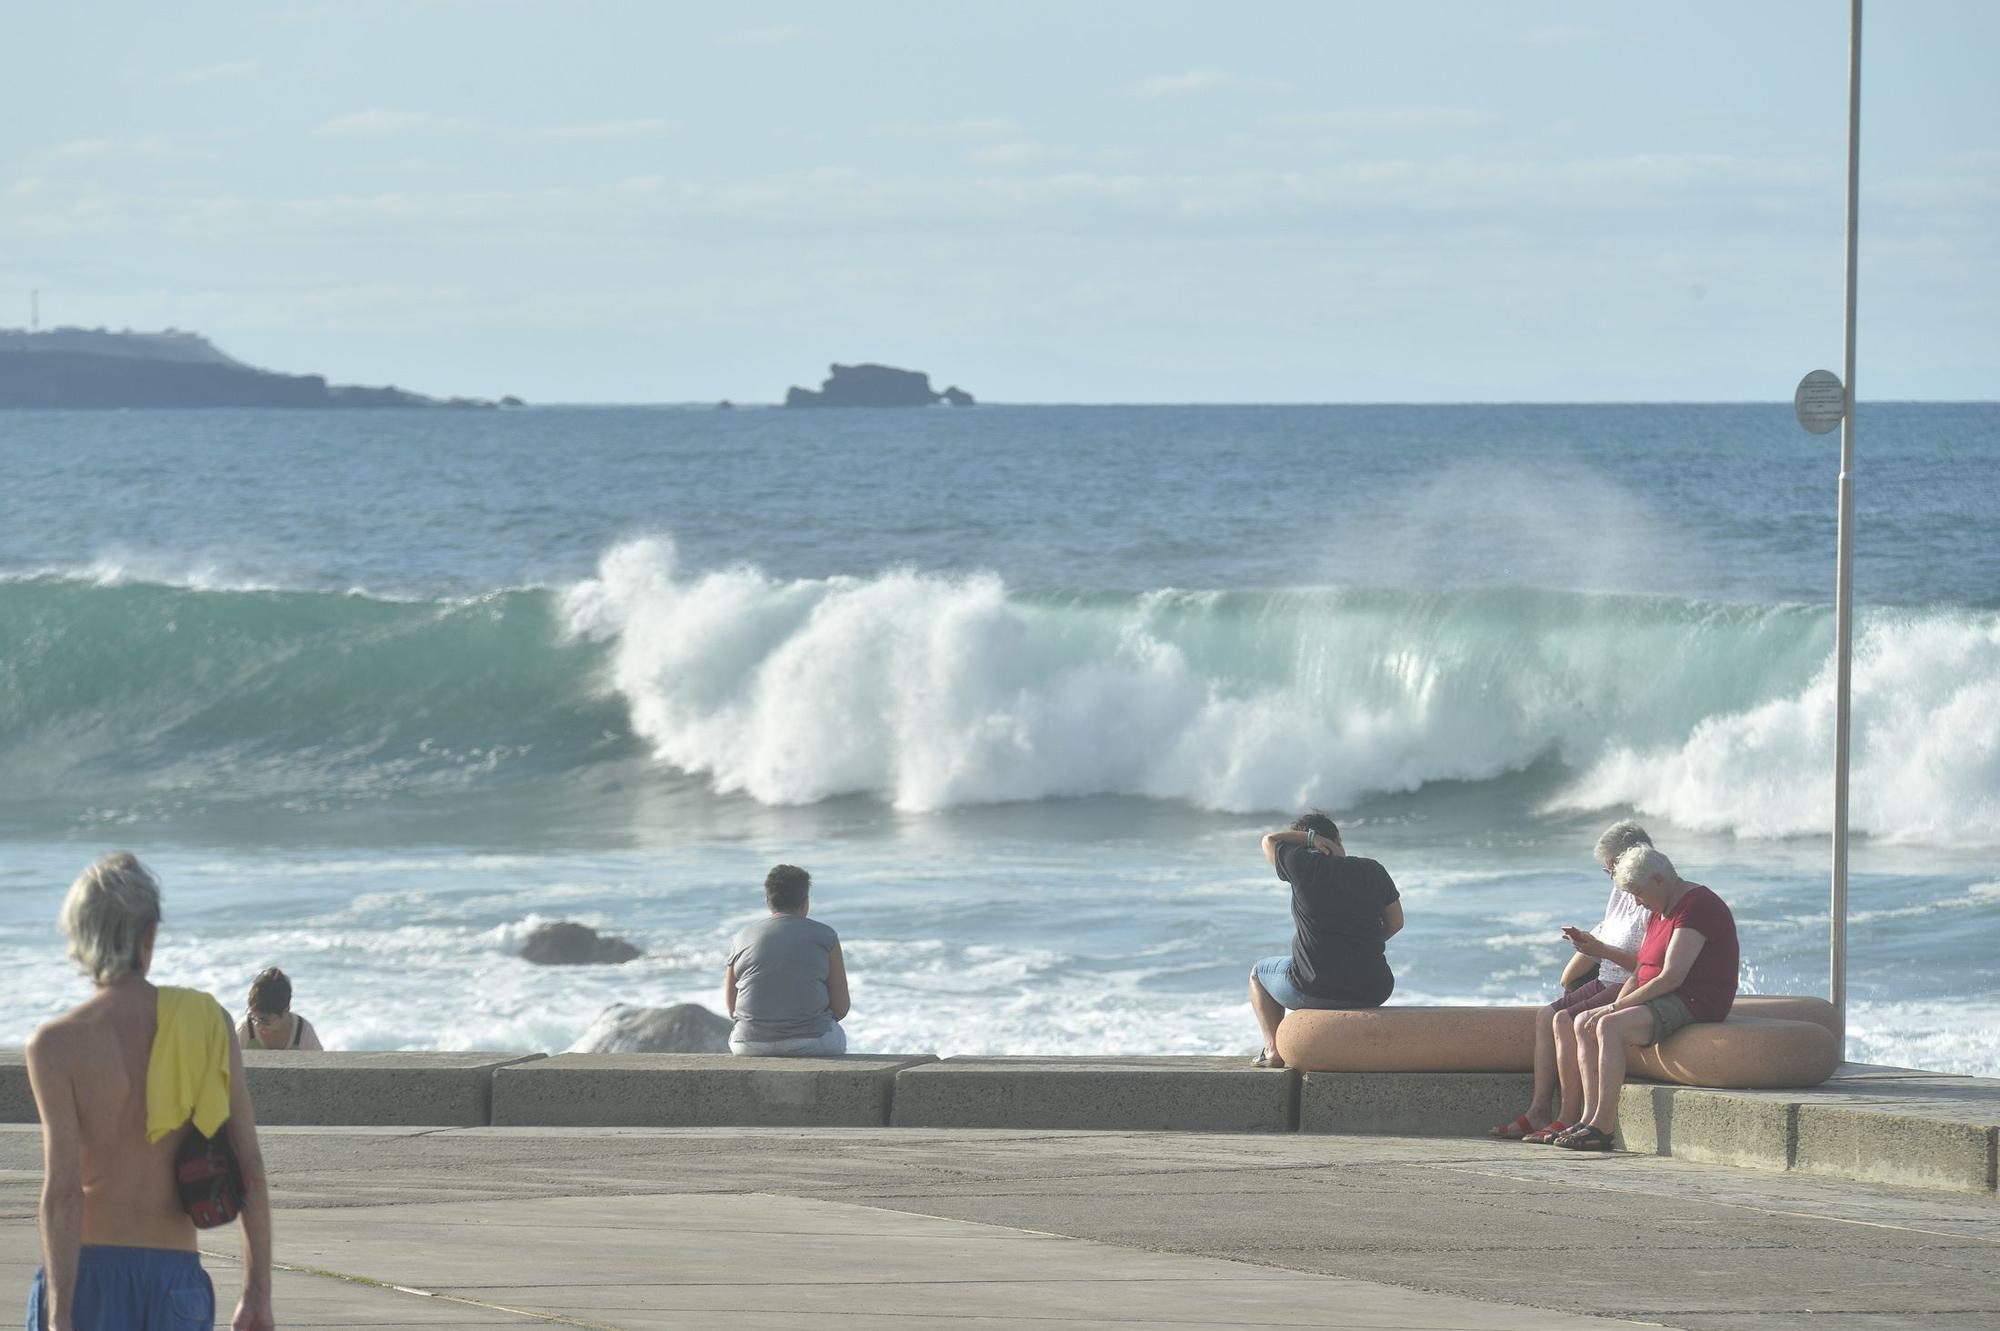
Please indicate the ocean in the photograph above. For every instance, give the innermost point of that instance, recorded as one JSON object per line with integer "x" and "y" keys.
{"x": 377, "y": 692}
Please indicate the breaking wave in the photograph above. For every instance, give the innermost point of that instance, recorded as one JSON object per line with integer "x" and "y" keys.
{"x": 929, "y": 691}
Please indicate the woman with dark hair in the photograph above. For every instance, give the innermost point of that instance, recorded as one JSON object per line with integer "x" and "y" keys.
{"x": 1344, "y": 909}
{"x": 270, "y": 1022}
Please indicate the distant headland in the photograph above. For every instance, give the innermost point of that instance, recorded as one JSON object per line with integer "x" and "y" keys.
{"x": 876, "y": 386}
{"x": 94, "y": 367}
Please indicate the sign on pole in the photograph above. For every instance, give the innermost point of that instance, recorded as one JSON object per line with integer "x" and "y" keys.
{"x": 1820, "y": 401}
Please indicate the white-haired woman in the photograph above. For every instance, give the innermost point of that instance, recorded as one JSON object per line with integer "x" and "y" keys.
{"x": 1614, "y": 948}
{"x": 1687, "y": 973}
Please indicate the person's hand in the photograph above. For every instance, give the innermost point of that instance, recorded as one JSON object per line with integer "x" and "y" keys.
{"x": 1583, "y": 941}
{"x": 253, "y": 1313}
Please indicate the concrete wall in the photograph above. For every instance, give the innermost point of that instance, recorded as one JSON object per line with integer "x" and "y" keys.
{"x": 699, "y": 1090}
{"x": 17, "y": 1101}
{"x": 294, "y": 1089}
{"x": 1879, "y": 1125}
{"x": 291, "y": 1088}
{"x": 1128, "y": 1094}
{"x": 1412, "y": 1104}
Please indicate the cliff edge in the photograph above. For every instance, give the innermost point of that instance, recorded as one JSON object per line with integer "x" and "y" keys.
{"x": 94, "y": 367}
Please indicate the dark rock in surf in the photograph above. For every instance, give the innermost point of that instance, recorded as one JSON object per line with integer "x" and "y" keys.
{"x": 684, "y": 1028}
{"x": 567, "y": 943}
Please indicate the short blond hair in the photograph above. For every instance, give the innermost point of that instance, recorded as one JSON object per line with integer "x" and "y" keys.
{"x": 110, "y": 909}
{"x": 1641, "y": 865}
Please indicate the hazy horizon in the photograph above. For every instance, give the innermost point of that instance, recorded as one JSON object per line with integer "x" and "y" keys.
{"x": 623, "y": 204}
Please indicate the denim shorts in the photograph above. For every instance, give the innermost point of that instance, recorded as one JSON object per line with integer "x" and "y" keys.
{"x": 1275, "y": 974}
{"x": 144, "y": 1289}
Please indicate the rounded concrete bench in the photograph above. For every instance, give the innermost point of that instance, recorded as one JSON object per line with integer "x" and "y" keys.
{"x": 1410, "y": 1039}
{"x": 1742, "y": 1053}
{"x": 1768, "y": 1041}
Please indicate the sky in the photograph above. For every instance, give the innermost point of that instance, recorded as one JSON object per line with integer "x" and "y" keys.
{"x": 1040, "y": 202}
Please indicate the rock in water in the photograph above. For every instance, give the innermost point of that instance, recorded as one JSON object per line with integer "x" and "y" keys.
{"x": 875, "y": 386}
{"x": 684, "y": 1028}
{"x": 567, "y": 943}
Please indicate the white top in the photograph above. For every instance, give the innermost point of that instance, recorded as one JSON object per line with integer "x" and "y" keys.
{"x": 1623, "y": 927}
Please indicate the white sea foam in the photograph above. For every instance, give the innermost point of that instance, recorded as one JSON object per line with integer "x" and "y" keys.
{"x": 931, "y": 691}
{"x": 1925, "y": 759}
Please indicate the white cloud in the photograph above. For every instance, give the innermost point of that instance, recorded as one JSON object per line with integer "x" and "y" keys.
{"x": 1373, "y": 121}
{"x": 158, "y": 148}
{"x": 226, "y": 71}
{"x": 1201, "y": 82}
{"x": 775, "y": 34}
{"x": 383, "y": 123}
{"x": 959, "y": 131}
{"x": 1020, "y": 152}
{"x": 601, "y": 131}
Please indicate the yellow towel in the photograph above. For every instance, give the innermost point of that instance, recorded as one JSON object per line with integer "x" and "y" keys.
{"x": 188, "y": 1072}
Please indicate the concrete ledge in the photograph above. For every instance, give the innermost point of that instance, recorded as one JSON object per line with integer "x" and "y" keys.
{"x": 699, "y": 1090}
{"x": 1744, "y": 1129}
{"x": 1130, "y": 1094}
{"x": 17, "y": 1099}
{"x": 1907, "y": 1150}
{"x": 1916, "y": 1129}
{"x": 1412, "y": 1104}
{"x": 290, "y": 1088}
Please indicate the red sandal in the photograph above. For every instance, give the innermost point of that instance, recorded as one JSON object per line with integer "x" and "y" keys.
{"x": 1516, "y": 1131}
{"x": 1544, "y": 1136}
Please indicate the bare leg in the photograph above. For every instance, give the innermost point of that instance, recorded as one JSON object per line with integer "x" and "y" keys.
{"x": 1540, "y": 1109}
{"x": 1586, "y": 1066}
{"x": 1571, "y": 1109}
{"x": 1617, "y": 1034}
{"x": 1269, "y": 1013}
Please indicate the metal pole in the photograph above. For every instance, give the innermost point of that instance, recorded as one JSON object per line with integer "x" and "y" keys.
{"x": 1843, "y": 594}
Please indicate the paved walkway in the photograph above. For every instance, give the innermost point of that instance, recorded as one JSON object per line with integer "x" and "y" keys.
{"x": 753, "y": 1228}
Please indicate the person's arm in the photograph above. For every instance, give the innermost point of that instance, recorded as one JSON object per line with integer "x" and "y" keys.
{"x": 836, "y": 983}
{"x": 729, "y": 988}
{"x": 309, "y": 1038}
{"x": 1573, "y": 970}
{"x": 1588, "y": 944}
{"x": 253, "y": 1310}
{"x": 61, "y": 1213}
{"x": 1392, "y": 920}
{"x": 1288, "y": 837}
{"x": 1682, "y": 949}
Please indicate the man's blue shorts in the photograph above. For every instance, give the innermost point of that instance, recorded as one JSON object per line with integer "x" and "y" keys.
{"x": 1275, "y": 974}
{"x": 132, "y": 1289}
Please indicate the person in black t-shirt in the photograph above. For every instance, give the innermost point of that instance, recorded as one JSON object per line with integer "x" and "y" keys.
{"x": 1344, "y": 908}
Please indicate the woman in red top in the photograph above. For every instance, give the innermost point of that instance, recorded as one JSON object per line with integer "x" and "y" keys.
{"x": 1687, "y": 973}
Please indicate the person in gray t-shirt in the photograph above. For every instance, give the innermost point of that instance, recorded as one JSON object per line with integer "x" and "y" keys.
{"x": 786, "y": 985}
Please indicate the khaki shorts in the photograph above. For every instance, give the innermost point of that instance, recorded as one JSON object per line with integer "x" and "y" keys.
{"x": 1670, "y": 1013}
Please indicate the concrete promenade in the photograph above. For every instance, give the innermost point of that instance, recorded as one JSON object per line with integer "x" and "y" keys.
{"x": 911, "y": 1227}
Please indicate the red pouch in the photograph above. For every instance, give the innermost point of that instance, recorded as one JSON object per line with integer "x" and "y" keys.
{"x": 210, "y": 1181}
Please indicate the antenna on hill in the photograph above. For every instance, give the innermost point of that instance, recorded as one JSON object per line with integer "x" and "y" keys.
{"x": 35, "y": 310}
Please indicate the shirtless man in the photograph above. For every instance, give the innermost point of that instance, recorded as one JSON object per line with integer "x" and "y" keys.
{"x": 117, "y": 1249}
